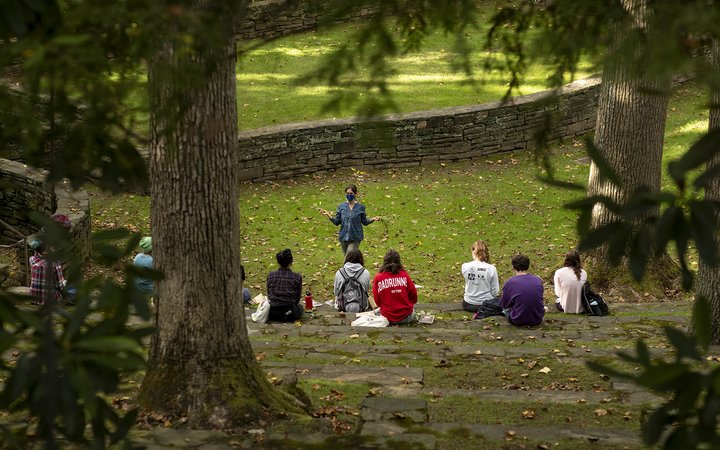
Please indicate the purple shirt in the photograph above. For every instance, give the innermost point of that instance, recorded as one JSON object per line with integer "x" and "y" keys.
{"x": 523, "y": 296}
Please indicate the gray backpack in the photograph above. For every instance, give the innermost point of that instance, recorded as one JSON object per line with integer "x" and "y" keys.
{"x": 352, "y": 296}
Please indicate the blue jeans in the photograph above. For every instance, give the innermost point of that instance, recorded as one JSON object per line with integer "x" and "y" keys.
{"x": 409, "y": 319}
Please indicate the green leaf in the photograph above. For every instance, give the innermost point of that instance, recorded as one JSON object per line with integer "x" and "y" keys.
{"x": 600, "y": 236}
{"x": 685, "y": 344}
{"x": 643, "y": 353}
{"x": 604, "y": 168}
{"x": 108, "y": 344}
{"x": 654, "y": 425}
{"x": 661, "y": 376}
{"x": 702, "y": 151}
{"x": 131, "y": 362}
{"x": 703, "y": 228}
{"x": 702, "y": 322}
{"x": 639, "y": 253}
{"x": 670, "y": 223}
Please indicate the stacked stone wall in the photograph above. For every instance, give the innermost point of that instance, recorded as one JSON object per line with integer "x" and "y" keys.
{"x": 271, "y": 19}
{"x": 22, "y": 190}
{"x": 418, "y": 138}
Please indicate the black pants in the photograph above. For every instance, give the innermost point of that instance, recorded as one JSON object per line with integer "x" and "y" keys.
{"x": 286, "y": 313}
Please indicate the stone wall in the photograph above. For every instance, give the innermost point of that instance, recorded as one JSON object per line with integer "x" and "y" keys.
{"x": 23, "y": 189}
{"x": 414, "y": 139}
{"x": 270, "y": 19}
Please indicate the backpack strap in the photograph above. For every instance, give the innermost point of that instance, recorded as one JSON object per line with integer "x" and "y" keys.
{"x": 344, "y": 275}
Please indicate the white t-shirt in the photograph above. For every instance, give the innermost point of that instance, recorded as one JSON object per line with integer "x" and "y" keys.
{"x": 568, "y": 289}
{"x": 481, "y": 282}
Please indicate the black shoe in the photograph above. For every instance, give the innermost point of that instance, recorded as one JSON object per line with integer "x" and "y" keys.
{"x": 559, "y": 308}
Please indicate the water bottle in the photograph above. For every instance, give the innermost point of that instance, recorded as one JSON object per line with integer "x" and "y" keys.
{"x": 308, "y": 300}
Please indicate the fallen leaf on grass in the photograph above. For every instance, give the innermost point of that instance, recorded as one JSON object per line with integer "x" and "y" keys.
{"x": 531, "y": 364}
{"x": 528, "y": 414}
{"x": 545, "y": 370}
{"x": 601, "y": 412}
{"x": 354, "y": 336}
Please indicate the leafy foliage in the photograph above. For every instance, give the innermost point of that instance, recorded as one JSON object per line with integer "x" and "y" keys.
{"x": 689, "y": 418}
{"x": 70, "y": 359}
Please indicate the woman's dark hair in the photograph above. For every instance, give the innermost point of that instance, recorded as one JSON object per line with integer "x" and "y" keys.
{"x": 520, "y": 262}
{"x": 391, "y": 262}
{"x": 354, "y": 255}
{"x": 572, "y": 259}
{"x": 284, "y": 258}
{"x": 352, "y": 187}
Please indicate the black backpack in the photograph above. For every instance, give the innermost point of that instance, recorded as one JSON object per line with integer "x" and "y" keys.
{"x": 489, "y": 308}
{"x": 593, "y": 303}
{"x": 352, "y": 296}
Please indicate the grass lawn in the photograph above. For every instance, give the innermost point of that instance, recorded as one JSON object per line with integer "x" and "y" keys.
{"x": 431, "y": 215}
{"x": 268, "y": 94}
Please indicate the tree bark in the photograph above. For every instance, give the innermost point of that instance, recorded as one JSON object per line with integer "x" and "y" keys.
{"x": 708, "y": 282}
{"x": 201, "y": 365}
{"x": 632, "y": 109}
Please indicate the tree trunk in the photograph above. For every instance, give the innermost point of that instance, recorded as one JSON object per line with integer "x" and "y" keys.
{"x": 632, "y": 109}
{"x": 201, "y": 364}
{"x": 708, "y": 282}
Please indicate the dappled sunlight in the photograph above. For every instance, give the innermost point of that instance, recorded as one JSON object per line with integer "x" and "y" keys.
{"x": 249, "y": 76}
{"x": 314, "y": 50}
{"x": 696, "y": 127}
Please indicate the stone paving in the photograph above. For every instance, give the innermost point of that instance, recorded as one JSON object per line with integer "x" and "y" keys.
{"x": 399, "y": 363}
{"x": 480, "y": 383}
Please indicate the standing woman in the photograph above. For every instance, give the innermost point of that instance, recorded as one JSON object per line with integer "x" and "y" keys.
{"x": 393, "y": 290}
{"x": 481, "y": 278}
{"x": 569, "y": 281}
{"x": 350, "y": 215}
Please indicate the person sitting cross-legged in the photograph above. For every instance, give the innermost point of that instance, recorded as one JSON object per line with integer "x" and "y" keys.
{"x": 522, "y": 295}
{"x": 394, "y": 291}
{"x": 481, "y": 279}
{"x": 284, "y": 290}
{"x": 569, "y": 281}
{"x": 352, "y": 296}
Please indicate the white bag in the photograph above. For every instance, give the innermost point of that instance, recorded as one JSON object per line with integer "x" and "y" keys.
{"x": 262, "y": 312}
{"x": 370, "y": 321}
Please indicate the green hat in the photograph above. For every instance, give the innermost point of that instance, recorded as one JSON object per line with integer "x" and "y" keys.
{"x": 146, "y": 244}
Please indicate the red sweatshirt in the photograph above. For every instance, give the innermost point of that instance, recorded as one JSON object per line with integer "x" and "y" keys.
{"x": 395, "y": 294}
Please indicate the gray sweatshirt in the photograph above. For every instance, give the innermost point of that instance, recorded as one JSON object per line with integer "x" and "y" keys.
{"x": 351, "y": 269}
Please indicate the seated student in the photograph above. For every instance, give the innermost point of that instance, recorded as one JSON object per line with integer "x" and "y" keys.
{"x": 144, "y": 286}
{"x": 355, "y": 295}
{"x": 284, "y": 290}
{"x": 393, "y": 290}
{"x": 245, "y": 291}
{"x": 569, "y": 281}
{"x": 43, "y": 284}
{"x": 481, "y": 278}
{"x": 522, "y": 295}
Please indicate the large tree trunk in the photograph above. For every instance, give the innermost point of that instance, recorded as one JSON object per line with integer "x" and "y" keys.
{"x": 708, "y": 283}
{"x": 201, "y": 365}
{"x": 632, "y": 109}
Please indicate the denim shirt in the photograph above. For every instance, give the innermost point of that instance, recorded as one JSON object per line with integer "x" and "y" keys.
{"x": 350, "y": 221}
